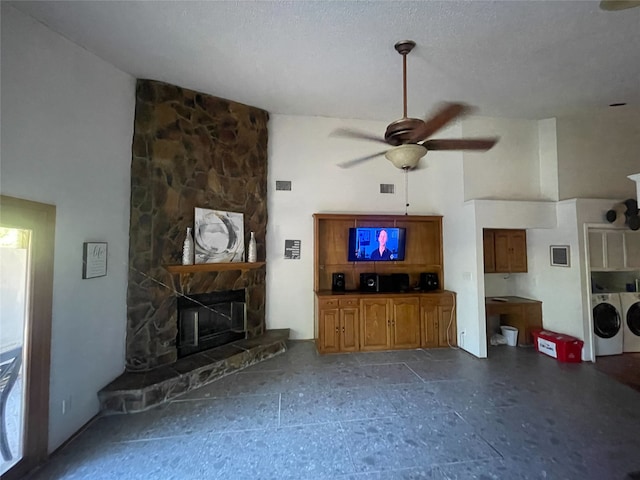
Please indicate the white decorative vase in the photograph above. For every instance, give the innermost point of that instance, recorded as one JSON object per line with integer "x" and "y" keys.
{"x": 252, "y": 255}
{"x": 188, "y": 250}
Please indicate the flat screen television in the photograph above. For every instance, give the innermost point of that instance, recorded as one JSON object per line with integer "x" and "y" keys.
{"x": 365, "y": 242}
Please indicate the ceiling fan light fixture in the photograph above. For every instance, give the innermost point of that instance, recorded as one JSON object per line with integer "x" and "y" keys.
{"x": 406, "y": 156}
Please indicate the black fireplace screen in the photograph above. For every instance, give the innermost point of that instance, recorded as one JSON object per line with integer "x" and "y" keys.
{"x": 209, "y": 320}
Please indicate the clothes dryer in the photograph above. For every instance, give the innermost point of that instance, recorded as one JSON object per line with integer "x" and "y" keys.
{"x": 630, "y": 303}
{"x": 608, "y": 332}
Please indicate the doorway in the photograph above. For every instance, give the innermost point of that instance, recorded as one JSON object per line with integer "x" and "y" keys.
{"x": 27, "y": 231}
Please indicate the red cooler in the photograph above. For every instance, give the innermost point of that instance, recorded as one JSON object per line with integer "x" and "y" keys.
{"x": 564, "y": 348}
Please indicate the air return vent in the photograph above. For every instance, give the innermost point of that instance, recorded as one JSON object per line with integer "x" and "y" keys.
{"x": 283, "y": 185}
{"x": 387, "y": 188}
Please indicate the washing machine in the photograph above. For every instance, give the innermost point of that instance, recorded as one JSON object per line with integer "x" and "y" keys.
{"x": 608, "y": 331}
{"x": 630, "y": 303}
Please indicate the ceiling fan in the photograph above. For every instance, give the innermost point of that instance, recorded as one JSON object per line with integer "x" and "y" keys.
{"x": 409, "y": 137}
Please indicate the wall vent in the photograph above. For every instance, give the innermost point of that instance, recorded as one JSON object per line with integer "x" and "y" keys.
{"x": 387, "y": 188}
{"x": 283, "y": 185}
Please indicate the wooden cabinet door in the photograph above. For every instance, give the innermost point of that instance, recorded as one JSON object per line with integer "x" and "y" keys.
{"x": 329, "y": 330}
{"x": 615, "y": 250}
{"x": 501, "y": 253}
{"x": 489, "y": 251}
{"x": 405, "y": 322}
{"x": 533, "y": 315}
{"x": 517, "y": 251}
{"x": 596, "y": 250}
{"x": 429, "y": 321}
{"x": 375, "y": 320}
{"x": 349, "y": 341}
{"x": 632, "y": 248}
{"x": 447, "y": 332}
{"x": 510, "y": 251}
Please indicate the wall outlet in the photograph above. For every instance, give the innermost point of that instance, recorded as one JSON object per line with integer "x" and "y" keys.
{"x": 462, "y": 334}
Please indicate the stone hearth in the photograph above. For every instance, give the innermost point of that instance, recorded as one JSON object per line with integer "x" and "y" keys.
{"x": 137, "y": 391}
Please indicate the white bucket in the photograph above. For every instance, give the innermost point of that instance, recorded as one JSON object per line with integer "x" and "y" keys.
{"x": 511, "y": 334}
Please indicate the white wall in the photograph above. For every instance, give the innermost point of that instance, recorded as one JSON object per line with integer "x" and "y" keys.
{"x": 548, "y": 155}
{"x": 596, "y": 153}
{"x": 559, "y": 288}
{"x": 511, "y": 169}
{"x": 67, "y": 126}
{"x": 636, "y": 178}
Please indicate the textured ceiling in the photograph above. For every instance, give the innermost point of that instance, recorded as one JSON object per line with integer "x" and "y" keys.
{"x": 526, "y": 59}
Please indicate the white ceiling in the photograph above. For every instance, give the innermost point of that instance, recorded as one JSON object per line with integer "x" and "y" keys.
{"x": 526, "y": 59}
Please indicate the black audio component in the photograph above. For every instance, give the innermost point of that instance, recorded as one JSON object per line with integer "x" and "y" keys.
{"x": 396, "y": 282}
{"x": 400, "y": 282}
{"x": 337, "y": 282}
{"x": 369, "y": 282}
{"x": 429, "y": 281}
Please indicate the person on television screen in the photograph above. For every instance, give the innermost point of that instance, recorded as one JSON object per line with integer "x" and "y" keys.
{"x": 382, "y": 252}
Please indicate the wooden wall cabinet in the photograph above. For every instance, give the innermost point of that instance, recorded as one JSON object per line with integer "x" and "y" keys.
{"x": 338, "y": 325}
{"x": 353, "y": 320}
{"x": 505, "y": 250}
{"x": 438, "y": 327}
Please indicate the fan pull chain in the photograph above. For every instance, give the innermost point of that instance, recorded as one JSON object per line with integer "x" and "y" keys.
{"x": 406, "y": 191}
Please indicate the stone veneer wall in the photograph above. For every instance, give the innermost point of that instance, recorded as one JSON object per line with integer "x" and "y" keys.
{"x": 190, "y": 150}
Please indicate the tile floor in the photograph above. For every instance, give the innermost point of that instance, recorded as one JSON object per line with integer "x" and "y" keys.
{"x": 433, "y": 414}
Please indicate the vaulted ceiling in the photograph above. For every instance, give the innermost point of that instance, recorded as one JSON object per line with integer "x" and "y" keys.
{"x": 526, "y": 59}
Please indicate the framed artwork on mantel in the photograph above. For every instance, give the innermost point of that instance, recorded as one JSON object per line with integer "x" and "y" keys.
{"x": 218, "y": 236}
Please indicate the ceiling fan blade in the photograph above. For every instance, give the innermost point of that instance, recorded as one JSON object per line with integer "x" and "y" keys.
{"x": 351, "y": 133}
{"x": 481, "y": 144}
{"x": 614, "y": 5}
{"x": 445, "y": 114}
{"x": 355, "y": 161}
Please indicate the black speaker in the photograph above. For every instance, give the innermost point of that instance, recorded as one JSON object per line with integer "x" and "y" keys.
{"x": 337, "y": 282}
{"x": 369, "y": 282}
{"x": 429, "y": 281}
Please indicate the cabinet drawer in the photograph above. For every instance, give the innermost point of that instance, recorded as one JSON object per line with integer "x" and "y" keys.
{"x": 328, "y": 302}
{"x": 348, "y": 302}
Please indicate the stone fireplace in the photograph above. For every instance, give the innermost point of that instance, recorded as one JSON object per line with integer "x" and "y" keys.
{"x": 189, "y": 150}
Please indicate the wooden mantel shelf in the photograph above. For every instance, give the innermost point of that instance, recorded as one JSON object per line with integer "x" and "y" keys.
{"x": 213, "y": 267}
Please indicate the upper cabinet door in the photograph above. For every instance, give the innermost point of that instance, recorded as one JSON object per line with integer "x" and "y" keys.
{"x": 502, "y": 250}
{"x": 489, "y": 251}
{"x": 596, "y": 250}
{"x": 614, "y": 249}
{"x": 518, "y": 246}
{"x": 505, "y": 250}
{"x": 632, "y": 248}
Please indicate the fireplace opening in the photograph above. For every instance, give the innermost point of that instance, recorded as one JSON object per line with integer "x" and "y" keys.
{"x": 210, "y": 320}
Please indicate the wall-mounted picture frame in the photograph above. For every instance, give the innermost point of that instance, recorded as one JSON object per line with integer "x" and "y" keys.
{"x": 559, "y": 255}
{"x": 94, "y": 259}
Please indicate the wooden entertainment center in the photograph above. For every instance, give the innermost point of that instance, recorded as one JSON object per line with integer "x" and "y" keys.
{"x": 354, "y": 320}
